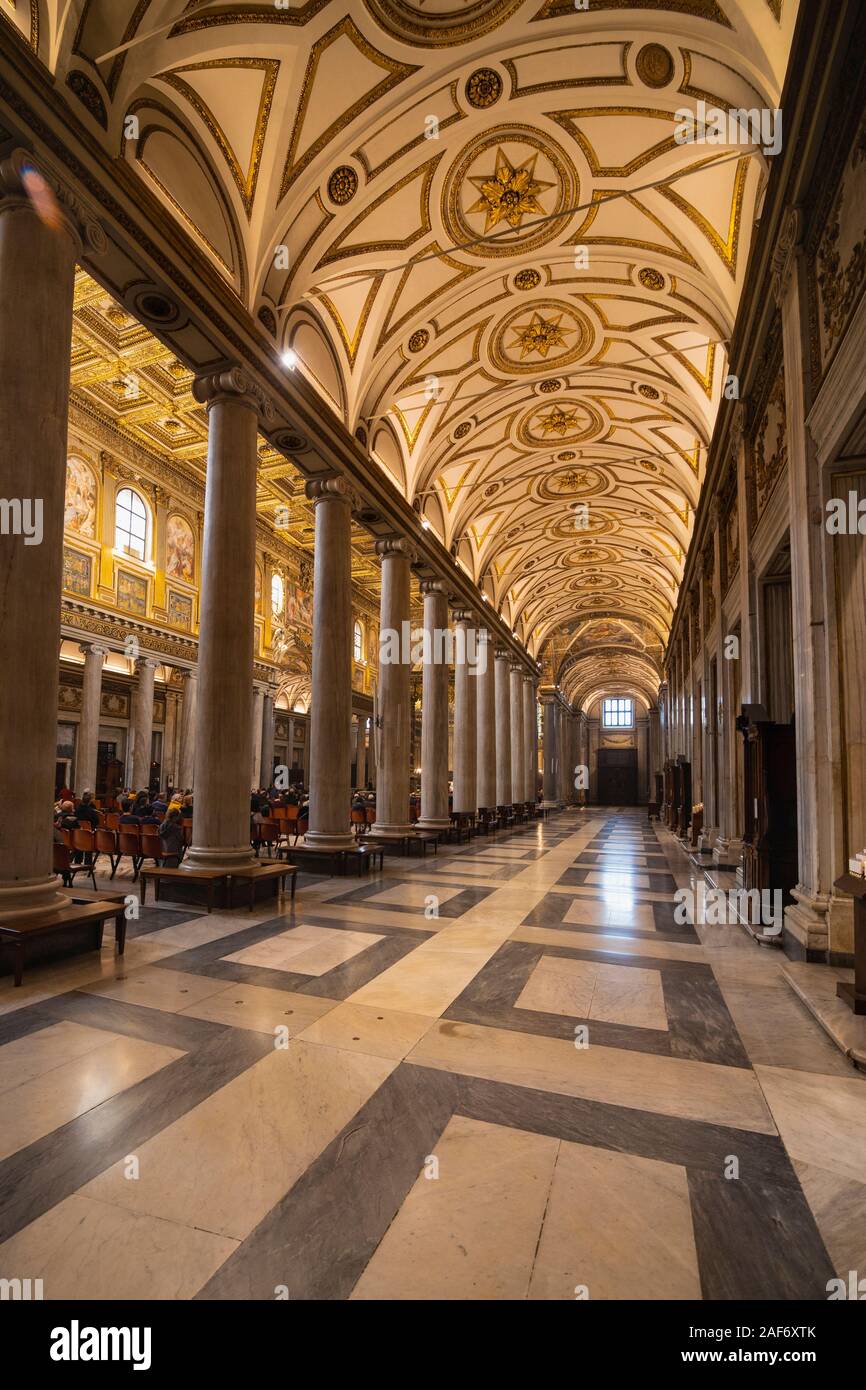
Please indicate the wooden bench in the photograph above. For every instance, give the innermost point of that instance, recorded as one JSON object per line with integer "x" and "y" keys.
{"x": 63, "y": 922}
{"x": 424, "y": 838}
{"x": 258, "y": 873}
{"x": 209, "y": 877}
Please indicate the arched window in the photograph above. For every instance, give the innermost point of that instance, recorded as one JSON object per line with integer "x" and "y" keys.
{"x": 130, "y": 523}
{"x": 358, "y": 642}
{"x": 278, "y": 595}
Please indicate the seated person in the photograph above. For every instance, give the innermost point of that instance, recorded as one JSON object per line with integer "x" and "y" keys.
{"x": 358, "y": 802}
{"x": 141, "y": 804}
{"x": 87, "y": 812}
{"x": 186, "y": 807}
{"x": 159, "y": 806}
{"x": 171, "y": 839}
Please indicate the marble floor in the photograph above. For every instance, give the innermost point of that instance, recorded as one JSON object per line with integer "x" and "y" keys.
{"x": 507, "y": 1072}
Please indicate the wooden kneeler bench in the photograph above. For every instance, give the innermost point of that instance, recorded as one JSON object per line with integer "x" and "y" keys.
{"x": 63, "y": 922}
{"x": 258, "y": 873}
{"x": 209, "y": 877}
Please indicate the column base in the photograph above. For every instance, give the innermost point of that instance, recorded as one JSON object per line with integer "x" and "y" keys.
{"x": 727, "y": 853}
{"x": 806, "y": 931}
{"x": 381, "y": 828}
{"x": 433, "y": 823}
{"x": 321, "y": 839}
{"x": 31, "y": 897}
{"x": 549, "y": 805}
{"x": 227, "y": 857}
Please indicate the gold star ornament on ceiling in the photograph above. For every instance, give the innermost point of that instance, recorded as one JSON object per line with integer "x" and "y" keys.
{"x": 558, "y": 421}
{"x": 540, "y": 335}
{"x": 508, "y": 194}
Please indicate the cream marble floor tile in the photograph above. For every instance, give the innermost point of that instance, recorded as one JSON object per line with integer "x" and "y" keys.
{"x": 413, "y": 894}
{"x": 559, "y": 986}
{"x": 378, "y": 1032}
{"x": 426, "y": 984}
{"x": 169, "y": 990}
{"x": 471, "y": 1232}
{"x": 777, "y": 1029}
{"x": 822, "y": 1119}
{"x": 630, "y": 995}
{"x": 225, "y": 1163}
{"x": 617, "y": 878}
{"x": 58, "y": 1096}
{"x": 601, "y": 914}
{"x": 465, "y": 866}
{"x": 618, "y": 1226}
{"x": 261, "y": 1009}
{"x": 600, "y": 941}
{"x": 639, "y": 1080}
{"x": 84, "y": 1249}
{"x": 24, "y": 1058}
{"x": 623, "y": 899}
{"x": 77, "y": 972}
{"x": 505, "y": 853}
{"x": 306, "y": 950}
{"x": 838, "y": 1205}
{"x": 201, "y": 930}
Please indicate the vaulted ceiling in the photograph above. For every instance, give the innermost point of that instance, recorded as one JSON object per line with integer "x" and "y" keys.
{"x": 474, "y": 229}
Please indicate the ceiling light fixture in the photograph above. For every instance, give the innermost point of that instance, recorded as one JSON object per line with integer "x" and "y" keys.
{"x": 290, "y": 359}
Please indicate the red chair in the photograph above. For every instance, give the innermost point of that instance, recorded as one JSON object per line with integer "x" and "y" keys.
{"x": 300, "y": 828}
{"x": 265, "y": 834}
{"x": 129, "y": 843}
{"x": 105, "y": 842}
{"x": 112, "y": 820}
{"x": 151, "y": 846}
{"x": 63, "y": 865}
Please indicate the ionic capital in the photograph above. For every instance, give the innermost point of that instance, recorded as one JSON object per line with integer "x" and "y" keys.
{"x": 26, "y": 181}
{"x": 233, "y": 384}
{"x": 462, "y": 616}
{"x": 784, "y": 254}
{"x": 92, "y": 649}
{"x": 334, "y": 489}
{"x": 502, "y": 654}
{"x": 397, "y": 547}
{"x": 434, "y": 586}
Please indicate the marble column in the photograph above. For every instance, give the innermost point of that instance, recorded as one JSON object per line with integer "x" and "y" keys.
{"x": 266, "y": 763}
{"x": 548, "y": 751}
{"x": 503, "y": 728}
{"x": 91, "y": 707}
{"x": 256, "y": 742}
{"x": 465, "y": 702}
{"x": 358, "y": 738}
{"x": 330, "y": 767}
{"x": 142, "y": 722}
{"x": 530, "y": 740}
{"x": 485, "y": 723}
{"x": 221, "y": 825}
{"x": 37, "y": 271}
{"x": 392, "y": 782}
{"x": 186, "y": 774}
{"x": 517, "y": 782}
{"x": 434, "y": 712}
{"x": 170, "y": 740}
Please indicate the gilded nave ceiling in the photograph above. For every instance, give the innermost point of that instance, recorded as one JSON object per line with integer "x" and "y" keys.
{"x": 472, "y": 227}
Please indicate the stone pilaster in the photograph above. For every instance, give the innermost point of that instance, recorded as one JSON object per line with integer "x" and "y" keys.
{"x": 266, "y": 765}
{"x": 517, "y": 779}
{"x": 530, "y": 741}
{"x": 256, "y": 742}
{"x": 189, "y": 699}
{"x": 549, "y": 751}
{"x": 142, "y": 722}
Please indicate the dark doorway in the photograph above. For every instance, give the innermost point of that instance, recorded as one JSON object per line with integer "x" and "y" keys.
{"x": 617, "y": 776}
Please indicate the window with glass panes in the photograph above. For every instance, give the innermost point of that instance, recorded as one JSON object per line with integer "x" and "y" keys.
{"x": 617, "y": 713}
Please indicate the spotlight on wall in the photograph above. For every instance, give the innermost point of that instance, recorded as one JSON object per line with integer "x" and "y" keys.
{"x": 290, "y": 359}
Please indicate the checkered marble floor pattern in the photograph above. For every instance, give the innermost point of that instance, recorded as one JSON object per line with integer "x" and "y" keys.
{"x": 506, "y": 1072}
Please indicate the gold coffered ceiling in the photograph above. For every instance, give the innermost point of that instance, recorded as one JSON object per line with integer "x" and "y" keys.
{"x": 473, "y": 224}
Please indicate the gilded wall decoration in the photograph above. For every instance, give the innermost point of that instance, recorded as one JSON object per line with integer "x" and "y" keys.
{"x": 342, "y": 185}
{"x": 179, "y": 549}
{"x": 841, "y": 257}
{"x": 731, "y": 534}
{"x": 132, "y": 593}
{"x": 180, "y": 610}
{"x": 654, "y": 65}
{"x": 77, "y": 572}
{"x": 69, "y": 697}
{"x": 81, "y": 500}
{"x": 483, "y": 88}
{"x": 114, "y": 704}
{"x": 771, "y": 443}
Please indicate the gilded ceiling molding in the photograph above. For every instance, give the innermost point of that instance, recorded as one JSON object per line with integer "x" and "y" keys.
{"x": 432, "y": 249}
{"x": 599, "y": 197}
{"x": 351, "y": 340}
{"x": 298, "y": 13}
{"x": 700, "y": 9}
{"x": 412, "y": 23}
{"x": 270, "y": 67}
{"x": 396, "y": 73}
{"x": 727, "y": 249}
{"x": 622, "y": 79}
{"x": 424, "y": 173}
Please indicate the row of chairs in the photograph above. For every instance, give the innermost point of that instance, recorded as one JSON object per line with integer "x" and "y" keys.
{"x": 131, "y": 841}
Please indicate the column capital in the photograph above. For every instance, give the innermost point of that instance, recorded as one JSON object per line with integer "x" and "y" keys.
{"x": 397, "y": 547}
{"x": 92, "y": 649}
{"x": 237, "y": 385}
{"x": 738, "y": 426}
{"x": 516, "y": 668}
{"x": 462, "y": 615}
{"x": 434, "y": 586}
{"x": 26, "y": 180}
{"x": 144, "y": 663}
{"x": 502, "y": 654}
{"x": 333, "y": 489}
